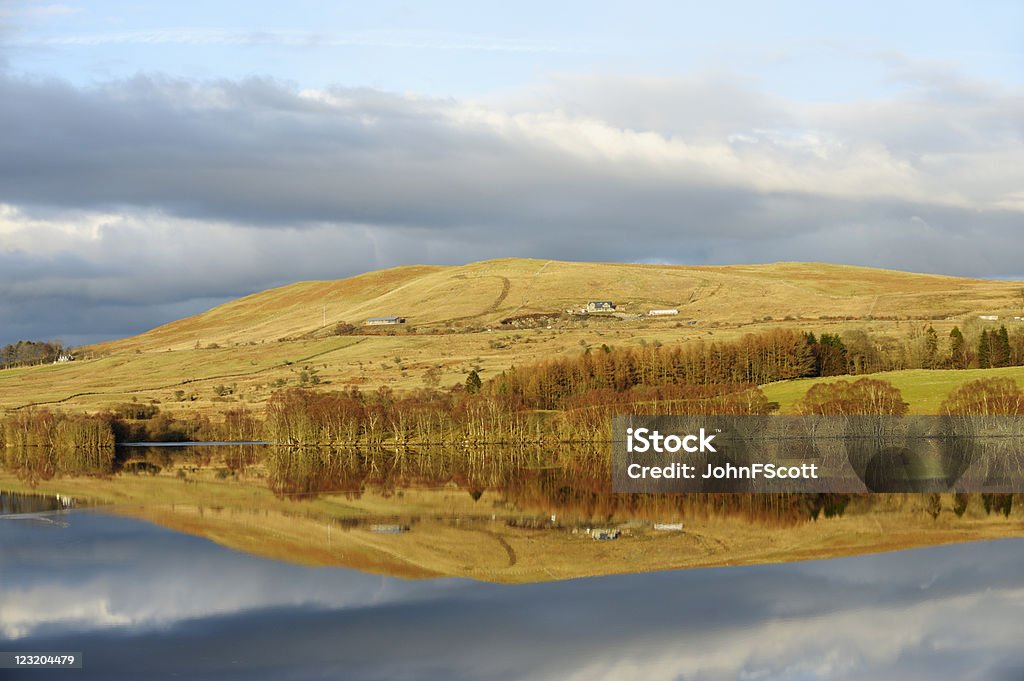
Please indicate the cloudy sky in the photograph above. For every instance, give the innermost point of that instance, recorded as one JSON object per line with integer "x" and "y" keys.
{"x": 159, "y": 158}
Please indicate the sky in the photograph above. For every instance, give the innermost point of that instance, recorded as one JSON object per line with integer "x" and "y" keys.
{"x": 131, "y": 596}
{"x": 158, "y": 158}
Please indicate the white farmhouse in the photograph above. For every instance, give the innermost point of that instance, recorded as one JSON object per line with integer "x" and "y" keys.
{"x": 384, "y": 321}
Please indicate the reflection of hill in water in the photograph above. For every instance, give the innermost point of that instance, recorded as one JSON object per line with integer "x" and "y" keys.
{"x": 492, "y": 514}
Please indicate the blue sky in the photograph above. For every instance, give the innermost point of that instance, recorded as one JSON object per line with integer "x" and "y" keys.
{"x": 159, "y": 158}
{"x": 828, "y": 52}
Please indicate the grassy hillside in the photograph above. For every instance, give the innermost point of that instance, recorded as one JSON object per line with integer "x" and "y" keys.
{"x": 482, "y": 294}
{"x": 268, "y": 340}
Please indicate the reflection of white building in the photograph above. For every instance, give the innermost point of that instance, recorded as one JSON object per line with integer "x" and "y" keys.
{"x": 668, "y": 527}
{"x": 388, "y": 529}
{"x": 604, "y": 534}
{"x": 384, "y": 321}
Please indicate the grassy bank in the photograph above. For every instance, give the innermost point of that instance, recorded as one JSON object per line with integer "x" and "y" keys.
{"x": 924, "y": 390}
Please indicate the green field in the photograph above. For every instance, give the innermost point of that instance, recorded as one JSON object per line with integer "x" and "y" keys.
{"x": 923, "y": 389}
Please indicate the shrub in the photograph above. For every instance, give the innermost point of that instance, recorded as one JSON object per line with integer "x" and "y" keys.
{"x": 986, "y": 397}
{"x": 863, "y": 397}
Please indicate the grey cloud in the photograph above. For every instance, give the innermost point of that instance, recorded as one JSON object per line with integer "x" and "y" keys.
{"x": 163, "y": 191}
{"x": 258, "y": 152}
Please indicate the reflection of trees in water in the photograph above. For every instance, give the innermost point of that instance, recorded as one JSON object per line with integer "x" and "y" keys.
{"x": 35, "y": 464}
{"x": 571, "y": 483}
{"x": 15, "y": 503}
{"x": 230, "y": 459}
{"x": 997, "y": 503}
{"x": 559, "y": 492}
{"x": 928, "y": 454}
{"x": 306, "y": 472}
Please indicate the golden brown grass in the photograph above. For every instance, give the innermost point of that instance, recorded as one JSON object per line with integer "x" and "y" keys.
{"x": 484, "y": 293}
{"x": 456, "y": 313}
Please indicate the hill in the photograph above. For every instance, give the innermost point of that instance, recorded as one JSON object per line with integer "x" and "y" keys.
{"x": 484, "y": 293}
{"x": 240, "y": 352}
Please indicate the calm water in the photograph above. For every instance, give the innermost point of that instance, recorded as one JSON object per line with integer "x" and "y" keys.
{"x": 143, "y": 602}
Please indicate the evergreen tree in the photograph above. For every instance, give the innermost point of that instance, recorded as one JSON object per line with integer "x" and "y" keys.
{"x": 931, "y": 348}
{"x": 812, "y": 346}
{"x": 957, "y": 349}
{"x": 999, "y": 342}
{"x": 473, "y": 382}
{"x": 831, "y": 355}
{"x": 984, "y": 351}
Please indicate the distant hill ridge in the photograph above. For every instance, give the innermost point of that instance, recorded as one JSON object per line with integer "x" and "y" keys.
{"x": 484, "y": 293}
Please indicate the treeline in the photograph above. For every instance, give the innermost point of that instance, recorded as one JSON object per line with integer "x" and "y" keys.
{"x": 755, "y": 359}
{"x": 130, "y": 422}
{"x": 141, "y": 422}
{"x": 39, "y": 444}
{"x": 588, "y": 416}
{"x": 766, "y": 357}
{"x": 859, "y": 352}
{"x": 306, "y": 418}
{"x": 26, "y": 353}
{"x": 303, "y": 417}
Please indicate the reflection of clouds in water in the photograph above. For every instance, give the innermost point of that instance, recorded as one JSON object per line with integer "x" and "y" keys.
{"x": 122, "y": 572}
{"x": 187, "y": 599}
{"x": 883, "y": 642}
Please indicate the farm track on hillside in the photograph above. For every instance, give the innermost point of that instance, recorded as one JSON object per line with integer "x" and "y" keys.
{"x": 506, "y": 286}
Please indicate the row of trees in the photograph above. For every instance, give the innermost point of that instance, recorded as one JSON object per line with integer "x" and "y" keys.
{"x": 859, "y": 352}
{"x": 26, "y": 353}
{"x": 755, "y": 359}
{"x": 995, "y": 349}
